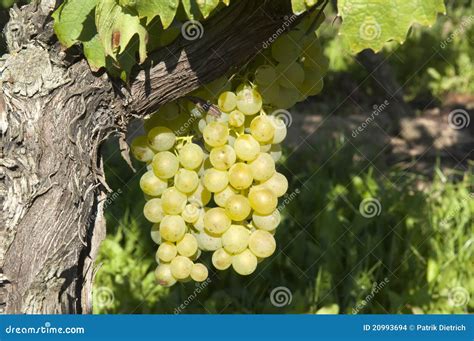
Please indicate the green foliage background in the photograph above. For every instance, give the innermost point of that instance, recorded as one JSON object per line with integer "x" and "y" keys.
{"x": 329, "y": 256}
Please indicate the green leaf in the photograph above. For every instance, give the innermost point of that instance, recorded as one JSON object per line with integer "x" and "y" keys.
{"x": 369, "y": 24}
{"x": 166, "y": 9}
{"x": 116, "y": 27}
{"x": 94, "y": 53}
{"x": 195, "y": 9}
{"x": 71, "y": 18}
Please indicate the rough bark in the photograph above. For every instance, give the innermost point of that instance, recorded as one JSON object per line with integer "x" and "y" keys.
{"x": 54, "y": 114}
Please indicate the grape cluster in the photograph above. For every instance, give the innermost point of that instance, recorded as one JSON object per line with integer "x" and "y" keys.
{"x": 211, "y": 183}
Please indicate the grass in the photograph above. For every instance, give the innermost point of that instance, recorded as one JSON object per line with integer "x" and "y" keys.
{"x": 414, "y": 255}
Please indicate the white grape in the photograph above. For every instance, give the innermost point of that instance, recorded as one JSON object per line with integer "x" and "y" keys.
{"x": 206, "y": 242}
{"x": 172, "y": 228}
{"x": 262, "y": 200}
{"x": 222, "y": 157}
{"x": 240, "y": 176}
{"x": 227, "y": 101}
{"x": 277, "y": 183}
{"x": 141, "y": 150}
{"x": 216, "y": 221}
{"x": 186, "y": 181}
{"x": 165, "y": 165}
{"x": 246, "y": 147}
{"x": 249, "y": 101}
{"x": 164, "y": 276}
{"x": 267, "y": 222}
{"x": 161, "y": 138}
{"x": 262, "y": 129}
{"x": 215, "y": 134}
{"x": 181, "y": 267}
{"x": 244, "y": 263}
{"x": 220, "y": 198}
{"x": 153, "y": 210}
{"x": 199, "y": 272}
{"x": 191, "y": 156}
{"x": 262, "y": 244}
{"x": 187, "y": 246}
{"x": 237, "y": 207}
{"x": 152, "y": 185}
{"x": 215, "y": 180}
{"x": 221, "y": 259}
{"x": 173, "y": 201}
{"x": 166, "y": 252}
{"x": 263, "y": 167}
{"x": 235, "y": 239}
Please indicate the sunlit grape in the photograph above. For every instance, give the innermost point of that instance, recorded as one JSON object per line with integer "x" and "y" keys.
{"x": 153, "y": 210}
{"x": 181, "y": 267}
{"x": 216, "y": 221}
{"x": 173, "y": 201}
{"x": 262, "y": 200}
{"x": 199, "y": 272}
{"x": 249, "y": 101}
{"x": 191, "y": 156}
{"x": 164, "y": 276}
{"x": 186, "y": 181}
{"x": 206, "y": 242}
{"x": 235, "y": 239}
{"x": 215, "y": 180}
{"x": 263, "y": 167}
{"x": 236, "y": 118}
{"x": 222, "y": 157}
{"x": 277, "y": 183}
{"x": 220, "y": 198}
{"x": 215, "y": 134}
{"x": 166, "y": 252}
{"x": 172, "y": 228}
{"x": 240, "y": 176}
{"x": 237, "y": 207}
{"x": 141, "y": 150}
{"x": 244, "y": 263}
{"x": 152, "y": 185}
{"x": 165, "y": 165}
{"x": 227, "y": 101}
{"x": 267, "y": 222}
{"x": 262, "y": 244}
{"x": 221, "y": 259}
{"x": 200, "y": 197}
{"x": 187, "y": 246}
{"x": 191, "y": 213}
{"x": 262, "y": 129}
{"x": 246, "y": 147}
{"x": 161, "y": 138}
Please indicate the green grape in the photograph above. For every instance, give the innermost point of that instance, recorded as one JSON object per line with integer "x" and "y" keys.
{"x": 161, "y": 139}
{"x": 153, "y": 210}
{"x": 236, "y": 119}
{"x": 152, "y": 185}
{"x": 265, "y": 148}
{"x": 191, "y": 156}
{"x": 172, "y": 228}
{"x": 220, "y": 198}
{"x": 240, "y": 176}
{"x": 287, "y": 98}
{"x": 187, "y": 246}
{"x": 262, "y": 200}
{"x": 166, "y": 252}
{"x": 165, "y": 165}
{"x": 276, "y": 152}
{"x": 244, "y": 263}
{"x": 262, "y": 244}
{"x": 235, "y": 239}
{"x": 292, "y": 75}
{"x": 222, "y": 157}
{"x": 262, "y": 129}
{"x": 267, "y": 222}
{"x": 227, "y": 101}
{"x": 200, "y": 197}
{"x": 186, "y": 181}
{"x": 141, "y": 150}
{"x": 238, "y": 207}
{"x": 263, "y": 167}
{"x": 173, "y": 201}
{"x": 265, "y": 75}
{"x": 270, "y": 93}
{"x": 199, "y": 223}
{"x": 277, "y": 183}
{"x": 246, "y": 147}
{"x": 191, "y": 213}
{"x": 206, "y": 242}
{"x": 199, "y": 272}
{"x": 280, "y": 129}
{"x": 215, "y": 134}
{"x": 155, "y": 234}
{"x": 164, "y": 276}
{"x": 216, "y": 221}
{"x": 215, "y": 180}
{"x": 284, "y": 50}
{"x": 249, "y": 101}
{"x": 221, "y": 259}
{"x": 181, "y": 267}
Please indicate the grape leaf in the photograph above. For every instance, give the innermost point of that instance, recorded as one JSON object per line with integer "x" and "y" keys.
{"x": 166, "y": 9}
{"x": 369, "y": 24}
{"x": 116, "y": 26}
{"x": 94, "y": 53}
{"x": 70, "y": 19}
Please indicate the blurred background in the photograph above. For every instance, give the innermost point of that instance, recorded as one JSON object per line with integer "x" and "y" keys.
{"x": 379, "y": 212}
